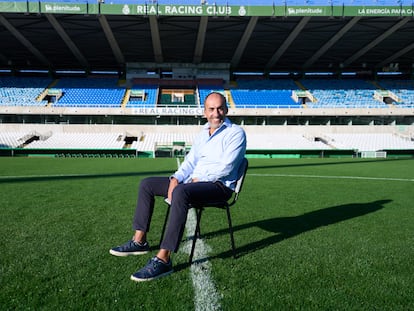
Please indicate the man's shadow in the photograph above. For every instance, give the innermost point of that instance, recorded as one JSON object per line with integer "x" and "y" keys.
{"x": 287, "y": 227}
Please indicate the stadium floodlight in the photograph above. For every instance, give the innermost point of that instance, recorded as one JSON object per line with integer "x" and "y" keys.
{"x": 279, "y": 73}
{"x": 388, "y": 73}
{"x": 318, "y": 73}
{"x": 34, "y": 71}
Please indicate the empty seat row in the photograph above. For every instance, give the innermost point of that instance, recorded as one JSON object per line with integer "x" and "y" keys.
{"x": 149, "y": 141}
{"x": 254, "y": 93}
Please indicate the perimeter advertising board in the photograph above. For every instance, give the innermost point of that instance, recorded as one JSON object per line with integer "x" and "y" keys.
{"x": 201, "y": 10}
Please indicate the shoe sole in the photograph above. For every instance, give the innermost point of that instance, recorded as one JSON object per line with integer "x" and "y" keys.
{"x": 124, "y": 254}
{"x": 135, "y": 279}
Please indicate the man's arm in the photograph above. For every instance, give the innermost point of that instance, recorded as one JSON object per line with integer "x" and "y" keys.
{"x": 173, "y": 184}
{"x": 187, "y": 166}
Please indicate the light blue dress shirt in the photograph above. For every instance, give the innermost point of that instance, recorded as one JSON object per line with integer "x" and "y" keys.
{"x": 216, "y": 157}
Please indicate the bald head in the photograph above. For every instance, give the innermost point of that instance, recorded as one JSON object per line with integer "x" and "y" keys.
{"x": 215, "y": 110}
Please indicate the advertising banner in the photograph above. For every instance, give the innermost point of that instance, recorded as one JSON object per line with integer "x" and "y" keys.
{"x": 201, "y": 10}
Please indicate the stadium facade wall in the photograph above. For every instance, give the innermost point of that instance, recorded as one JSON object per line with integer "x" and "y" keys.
{"x": 263, "y": 141}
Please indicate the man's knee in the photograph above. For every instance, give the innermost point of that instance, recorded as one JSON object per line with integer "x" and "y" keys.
{"x": 180, "y": 193}
{"x": 147, "y": 181}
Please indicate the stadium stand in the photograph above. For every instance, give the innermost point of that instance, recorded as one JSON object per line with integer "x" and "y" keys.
{"x": 371, "y": 141}
{"x": 159, "y": 66}
{"x": 22, "y": 91}
{"x": 287, "y": 141}
{"x": 342, "y": 93}
{"x": 78, "y": 141}
{"x": 11, "y": 139}
{"x": 261, "y": 93}
{"x": 245, "y": 93}
{"x": 157, "y": 141}
{"x": 403, "y": 89}
{"x": 89, "y": 92}
{"x": 144, "y": 96}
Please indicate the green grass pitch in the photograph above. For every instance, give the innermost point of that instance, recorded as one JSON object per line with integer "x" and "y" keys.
{"x": 311, "y": 234}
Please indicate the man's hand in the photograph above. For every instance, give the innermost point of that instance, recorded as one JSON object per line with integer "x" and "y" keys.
{"x": 173, "y": 184}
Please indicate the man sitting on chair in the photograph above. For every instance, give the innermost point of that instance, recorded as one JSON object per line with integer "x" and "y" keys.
{"x": 209, "y": 172}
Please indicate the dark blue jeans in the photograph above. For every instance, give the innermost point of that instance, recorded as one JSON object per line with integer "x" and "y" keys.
{"x": 183, "y": 195}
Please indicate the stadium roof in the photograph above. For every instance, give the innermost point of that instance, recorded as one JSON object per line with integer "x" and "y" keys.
{"x": 308, "y": 38}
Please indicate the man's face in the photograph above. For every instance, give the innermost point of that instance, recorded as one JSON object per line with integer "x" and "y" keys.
{"x": 215, "y": 110}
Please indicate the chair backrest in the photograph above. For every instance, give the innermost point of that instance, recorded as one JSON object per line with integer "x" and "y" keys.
{"x": 239, "y": 184}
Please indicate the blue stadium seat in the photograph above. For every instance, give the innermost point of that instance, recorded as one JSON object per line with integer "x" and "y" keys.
{"x": 90, "y": 92}
{"x": 334, "y": 93}
{"x": 404, "y": 89}
{"x": 150, "y": 98}
{"x": 22, "y": 91}
{"x": 259, "y": 93}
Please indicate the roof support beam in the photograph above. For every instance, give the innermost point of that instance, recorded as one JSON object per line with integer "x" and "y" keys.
{"x": 395, "y": 56}
{"x": 156, "y": 41}
{"x": 292, "y": 36}
{"x": 24, "y": 41}
{"x": 243, "y": 41}
{"x": 331, "y": 42}
{"x": 72, "y": 47}
{"x": 198, "y": 53}
{"x": 372, "y": 44}
{"x": 111, "y": 39}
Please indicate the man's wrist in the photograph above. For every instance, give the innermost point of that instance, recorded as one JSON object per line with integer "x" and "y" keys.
{"x": 172, "y": 177}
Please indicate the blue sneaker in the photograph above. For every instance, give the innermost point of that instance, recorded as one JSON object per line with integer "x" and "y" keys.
{"x": 130, "y": 248}
{"x": 155, "y": 268}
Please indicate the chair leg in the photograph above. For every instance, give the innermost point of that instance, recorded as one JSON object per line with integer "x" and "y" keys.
{"x": 233, "y": 246}
{"x": 196, "y": 234}
{"x": 165, "y": 223}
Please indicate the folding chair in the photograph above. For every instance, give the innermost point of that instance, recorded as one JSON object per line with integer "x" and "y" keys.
{"x": 219, "y": 204}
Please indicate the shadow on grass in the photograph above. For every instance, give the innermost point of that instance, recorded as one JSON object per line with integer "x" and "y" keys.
{"x": 287, "y": 227}
{"x": 58, "y": 177}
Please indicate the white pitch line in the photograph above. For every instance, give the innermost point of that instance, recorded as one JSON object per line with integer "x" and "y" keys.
{"x": 206, "y": 297}
{"x": 334, "y": 177}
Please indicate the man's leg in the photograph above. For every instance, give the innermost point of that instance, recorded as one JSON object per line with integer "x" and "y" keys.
{"x": 148, "y": 189}
{"x": 183, "y": 196}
